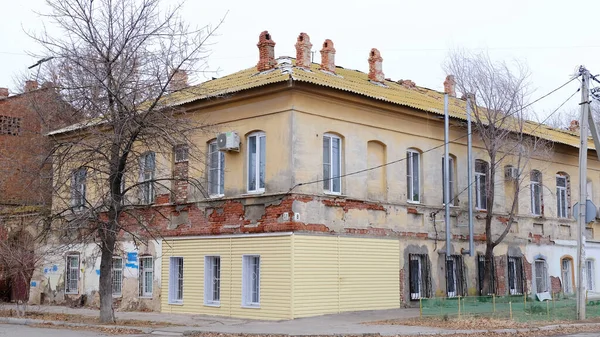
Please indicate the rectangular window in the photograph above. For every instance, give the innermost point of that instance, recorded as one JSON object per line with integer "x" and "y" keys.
{"x": 332, "y": 167}
{"x": 256, "y": 162}
{"x": 515, "y": 275}
{"x": 146, "y": 277}
{"x": 419, "y": 276}
{"x": 251, "y": 280}
{"x": 455, "y": 276}
{"x": 78, "y": 188}
{"x": 480, "y": 185}
{"x": 180, "y": 153}
{"x": 536, "y": 193}
{"x": 589, "y": 275}
{"x": 451, "y": 178}
{"x": 541, "y": 276}
{"x": 212, "y": 280}
{"x": 117, "y": 276}
{"x": 561, "y": 197}
{"x": 10, "y": 125}
{"x": 216, "y": 170}
{"x": 481, "y": 263}
{"x": 176, "y": 280}
{"x": 72, "y": 275}
{"x": 147, "y": 170}
{"x": 413, "y": 176}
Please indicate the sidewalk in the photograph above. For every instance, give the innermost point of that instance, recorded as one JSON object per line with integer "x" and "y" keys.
{"x": 336, "y": 324}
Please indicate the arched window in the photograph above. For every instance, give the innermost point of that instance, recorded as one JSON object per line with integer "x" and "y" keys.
{"x": 451, "y": 180}
{"x": 413, "y": 175}
{"x": 562, "y": 195}
{"x": 566, "y": 272}
{"x": 256, "y": 160}
{"x": 332, "y": 163}
{"x": 541, "y": 275}
{"x": 147, "y": 171}
{"x": 216, "y": 170}
{"x": 481, "y": 180}
{"x": 535, "y": 185}
{"x": 78, "y": 188}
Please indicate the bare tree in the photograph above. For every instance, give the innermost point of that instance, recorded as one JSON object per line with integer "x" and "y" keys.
{"x": 18, "y": 260}
{"x": 499, "y": 92}
{"x": 115, "y": 62}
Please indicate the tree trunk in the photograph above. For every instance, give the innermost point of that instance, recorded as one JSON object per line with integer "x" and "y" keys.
{"x": 108, "y": 235}
{"x": 488, "y": 272}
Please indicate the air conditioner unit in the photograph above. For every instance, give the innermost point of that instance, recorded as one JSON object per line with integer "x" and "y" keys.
{"x": 511, "y": 173}
{"x": 228, "y": 141}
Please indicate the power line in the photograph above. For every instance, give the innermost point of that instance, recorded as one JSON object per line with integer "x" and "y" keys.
{"x": 438, "y": 146}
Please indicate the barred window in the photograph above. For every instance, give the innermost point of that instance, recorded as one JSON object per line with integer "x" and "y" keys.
{"x": 117, "y": 276}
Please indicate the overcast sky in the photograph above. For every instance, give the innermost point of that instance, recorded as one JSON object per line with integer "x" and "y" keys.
{"x": 553, "y": 37}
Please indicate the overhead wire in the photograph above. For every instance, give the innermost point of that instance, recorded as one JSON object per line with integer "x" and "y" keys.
{"x": 435, "y": 147}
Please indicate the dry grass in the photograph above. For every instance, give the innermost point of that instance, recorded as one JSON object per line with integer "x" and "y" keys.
{"x": 73, "y": 318}
{"x": 106, "y": 330}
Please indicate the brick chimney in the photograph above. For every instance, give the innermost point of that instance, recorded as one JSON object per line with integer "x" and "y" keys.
{"x": 574, "y": 127}
{"x": 179, "y": 80}
{"x": 328, "y": 56}
{"x": 3, "y": 93}
{"x": 30, "y": 86}
{"x": 449, "y": 86}
{"x": 266, "y": 51}
{"x": 375, "y": 60}
{"x": 303, "y": 51}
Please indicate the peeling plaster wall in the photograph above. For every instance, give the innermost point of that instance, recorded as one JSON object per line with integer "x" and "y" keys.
{"x": 50, "y": 279}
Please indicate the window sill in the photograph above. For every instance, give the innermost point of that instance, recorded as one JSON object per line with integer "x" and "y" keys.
{"x": 413, "y": 202}
{"x": 117, "y": 295}
{"x": 216, "y": 196}
{"x": 176, "y": 303}
{"x": 66, "y": 293}
{"x": 145, "y": 297}
{"x": 335, "y": 194}
{"x": 214, "y": 305}
{"x": 249, "y": 194}
{"x": 251, "y": 306}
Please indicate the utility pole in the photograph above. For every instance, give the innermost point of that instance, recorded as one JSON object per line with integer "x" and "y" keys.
{"x": 581, "y": 221}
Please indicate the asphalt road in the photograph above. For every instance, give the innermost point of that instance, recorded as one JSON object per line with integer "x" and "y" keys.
{"x": 26, "y": 331}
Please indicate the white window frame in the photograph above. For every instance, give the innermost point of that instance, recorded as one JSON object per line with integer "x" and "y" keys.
{"x": 536, "y": 201}
{"x": 590, "y": 274}
{"x": 117, "y": 277}
{"x": 146, "y": 273}
{"x": 543, "y": 277}
{"x": 147, "y": 179}
{"x": 212, "y": 280}
{"x": 72, "y": 275}
{"x": 566, "y": 273}
{"x": 78, "y": 188}
{"x": 176, "y": 280}
{"x": 257, "y": 167}
{"x": 413, "y": 156}
{"x": 562, "y": 209}
{"x": 481, "y": 186}
{"x": 451, "y": 175}
{"x": 219, "y": 167}
{"x": 330, "y": 179}
{"x": 251, "y": 265}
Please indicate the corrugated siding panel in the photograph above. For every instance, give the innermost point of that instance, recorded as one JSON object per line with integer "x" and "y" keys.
{"x": 315, "y": 275}
{"x": 275, "y": 279}
{"x": 369, "y": 274}
{"x": 336, "y": 274}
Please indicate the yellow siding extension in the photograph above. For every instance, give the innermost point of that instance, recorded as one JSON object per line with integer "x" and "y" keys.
{"x": 275, "y": 278}
{"x": 337, "y": 274}
{"x": 300, "y": 275}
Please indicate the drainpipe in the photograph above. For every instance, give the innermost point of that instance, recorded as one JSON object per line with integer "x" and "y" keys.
{"x": 470, "y": 177}
{"x": 446, "y": 176}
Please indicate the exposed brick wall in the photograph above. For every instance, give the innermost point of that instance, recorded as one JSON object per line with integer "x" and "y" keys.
{"x": 303, "y": 51}
{"x": 180, "y": 176}
{"x": 328, "y": 56}
{"x": 266, "y": 51}
{"x": 402, "y": 282}
{"x": 555, "y": 284}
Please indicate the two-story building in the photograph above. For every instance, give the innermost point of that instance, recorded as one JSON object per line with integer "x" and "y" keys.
{"x": 324, "y": 193}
